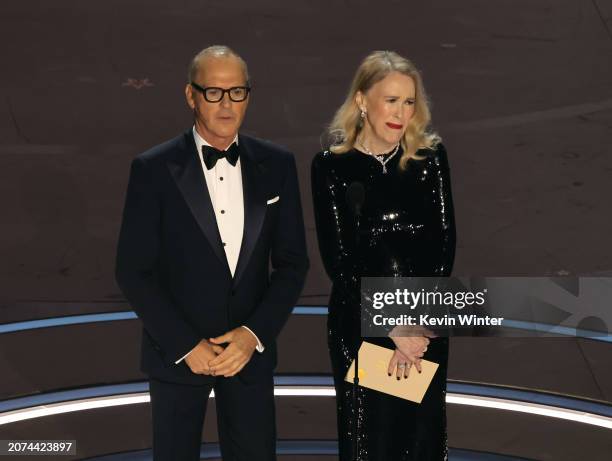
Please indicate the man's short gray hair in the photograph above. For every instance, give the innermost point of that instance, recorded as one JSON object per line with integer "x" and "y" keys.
{"x": 214, "y": 51}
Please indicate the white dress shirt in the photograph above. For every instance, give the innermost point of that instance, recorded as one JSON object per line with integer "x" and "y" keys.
{"x": 224, "y": 183}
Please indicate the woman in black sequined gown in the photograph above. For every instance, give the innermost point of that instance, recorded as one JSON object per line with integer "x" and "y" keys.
{"x": 407, "y": 229}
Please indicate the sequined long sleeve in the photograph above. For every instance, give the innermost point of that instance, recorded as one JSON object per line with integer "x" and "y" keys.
{"x": 336, "y": 236}
{"x": 444, "y": 212}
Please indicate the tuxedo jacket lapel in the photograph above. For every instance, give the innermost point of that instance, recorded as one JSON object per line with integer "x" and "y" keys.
{"x": 254, "y": 203}
{"x": 186, "y": 170}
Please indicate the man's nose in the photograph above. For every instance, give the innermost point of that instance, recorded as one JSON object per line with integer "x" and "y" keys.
{"x": 225, "y": 100}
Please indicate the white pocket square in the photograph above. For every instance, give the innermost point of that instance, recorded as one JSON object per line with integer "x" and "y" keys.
{"x": 273, "y": 200}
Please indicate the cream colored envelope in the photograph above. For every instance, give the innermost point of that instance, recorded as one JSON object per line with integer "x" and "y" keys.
{"x": 373, "y": 364}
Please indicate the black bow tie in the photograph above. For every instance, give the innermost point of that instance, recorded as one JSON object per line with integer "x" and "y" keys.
{"x": 211, "y": 155}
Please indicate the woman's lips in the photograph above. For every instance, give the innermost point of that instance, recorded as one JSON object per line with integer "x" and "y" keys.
{"x": 394, "y": 126}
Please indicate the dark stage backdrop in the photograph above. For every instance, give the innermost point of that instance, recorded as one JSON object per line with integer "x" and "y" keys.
{"x": 521, "y": 93}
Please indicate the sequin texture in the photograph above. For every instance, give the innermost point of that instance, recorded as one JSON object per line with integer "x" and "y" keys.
{"x": 407, "y": 228}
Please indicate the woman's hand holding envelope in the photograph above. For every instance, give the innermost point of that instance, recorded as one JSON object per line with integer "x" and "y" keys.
{"x": 411, "y": 342}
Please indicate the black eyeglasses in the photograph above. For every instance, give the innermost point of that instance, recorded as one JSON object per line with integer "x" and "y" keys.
{"x": 216, "y": 94}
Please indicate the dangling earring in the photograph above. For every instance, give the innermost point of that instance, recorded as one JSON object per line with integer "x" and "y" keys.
{"x": 361, "y": 121}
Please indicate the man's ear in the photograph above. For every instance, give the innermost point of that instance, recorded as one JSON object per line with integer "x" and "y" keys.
{"x": 189, "y": 96}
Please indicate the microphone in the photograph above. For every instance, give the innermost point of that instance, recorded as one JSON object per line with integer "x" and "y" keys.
{"x": 355, "y": 196}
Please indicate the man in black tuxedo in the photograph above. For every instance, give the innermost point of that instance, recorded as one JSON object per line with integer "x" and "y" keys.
{"x": 204, "y": 215}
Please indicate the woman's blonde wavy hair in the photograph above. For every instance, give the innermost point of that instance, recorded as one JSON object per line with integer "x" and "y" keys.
{"x": 347, "y": 122}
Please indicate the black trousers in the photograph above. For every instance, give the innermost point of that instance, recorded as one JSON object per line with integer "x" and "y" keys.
{"x": 245, "y": 419}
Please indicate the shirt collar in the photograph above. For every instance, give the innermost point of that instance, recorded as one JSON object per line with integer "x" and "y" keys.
{"x": 200, "y": 141}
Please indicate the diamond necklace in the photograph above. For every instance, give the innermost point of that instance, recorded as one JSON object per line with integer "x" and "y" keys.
{"x": 379, "y": 156}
